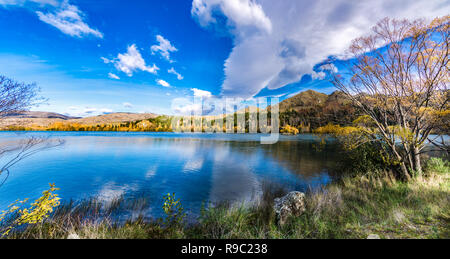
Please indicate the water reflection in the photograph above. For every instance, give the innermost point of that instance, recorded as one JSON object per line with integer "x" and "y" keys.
{"x": 198, "y": 168}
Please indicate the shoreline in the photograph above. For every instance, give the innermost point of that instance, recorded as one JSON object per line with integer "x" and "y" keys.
{"x": 353, "y": 207}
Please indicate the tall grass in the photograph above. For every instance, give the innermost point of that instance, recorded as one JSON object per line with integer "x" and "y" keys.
{"x": 353, "y": 207}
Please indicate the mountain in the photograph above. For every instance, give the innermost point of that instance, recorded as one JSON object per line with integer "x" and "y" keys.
{"x": 310, "y": 109}
{"x": 40, "y": 115}
{"x": 304, "y": 100}
{"x": 114, "y": 118}
{"x": 44, "y": 119}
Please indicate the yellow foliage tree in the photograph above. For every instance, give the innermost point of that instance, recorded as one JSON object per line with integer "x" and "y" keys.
{"x": 38, "y": 211}
{"x": 399, "y": 80}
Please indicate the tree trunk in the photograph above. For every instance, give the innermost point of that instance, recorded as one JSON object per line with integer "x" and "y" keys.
{"x": 417, "y": 162}
{"x": 405, "y": 173}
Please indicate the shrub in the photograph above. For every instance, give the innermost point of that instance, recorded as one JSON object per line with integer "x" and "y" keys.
{"x": 174, "y": 211}
{"x": 37, "y": 213}
{"x": 290, "y": 130}
{"x": 437, "y": 165}
{"x": 364, "y": 160}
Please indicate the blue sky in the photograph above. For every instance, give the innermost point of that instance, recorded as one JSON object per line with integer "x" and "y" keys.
{"x": 93, "y": 57}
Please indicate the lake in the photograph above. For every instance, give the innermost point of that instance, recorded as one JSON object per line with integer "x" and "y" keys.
{"x": 199, "y": 168}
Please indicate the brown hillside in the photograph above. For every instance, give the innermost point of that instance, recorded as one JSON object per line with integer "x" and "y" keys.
{"x": 44, "y": 120}
{"x": 39, "y": 115}
{"x": 312, "y": 109}
{"x": 114, "y": 118}
{"x": 304, "y": 100}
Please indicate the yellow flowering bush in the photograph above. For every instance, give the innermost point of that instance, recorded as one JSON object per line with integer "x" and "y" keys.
{"x": 37, "y": 212}
{"x": 290, "y": 130}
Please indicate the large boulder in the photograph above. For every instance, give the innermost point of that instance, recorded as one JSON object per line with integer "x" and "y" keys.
{"x": 293, "y": 204}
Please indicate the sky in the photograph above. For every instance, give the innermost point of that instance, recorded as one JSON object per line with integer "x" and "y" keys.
{"x": 103, "y": 56}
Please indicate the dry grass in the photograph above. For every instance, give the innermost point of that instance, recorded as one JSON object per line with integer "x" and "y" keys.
{"x": 351, "y": 208}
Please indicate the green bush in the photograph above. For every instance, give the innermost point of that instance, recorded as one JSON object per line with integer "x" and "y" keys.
{"x": 174, "y": 211}
{"x": 437, "y": 165}
{"x": 363, "y": 160}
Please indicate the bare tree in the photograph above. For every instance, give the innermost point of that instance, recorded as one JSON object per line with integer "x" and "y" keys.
{"x": 18, "y": 97}
{"x": 399, "y": 77}
{"x": 16, "y": 151}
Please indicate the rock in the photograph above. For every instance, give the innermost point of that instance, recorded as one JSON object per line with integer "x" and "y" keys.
{"x": 73, "y": 236}
{"x": 373, "y": 236}
{"x": 292, "y": 204}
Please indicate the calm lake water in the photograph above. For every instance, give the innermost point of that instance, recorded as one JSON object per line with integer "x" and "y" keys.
{"x": 197, "y": 167}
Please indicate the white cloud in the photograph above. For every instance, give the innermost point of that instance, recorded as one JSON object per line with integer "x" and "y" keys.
{"x": 172, "y": 71}
{"x": 320, "y": 72}
{"x": 88, "y": 110}
{"x": 131, "y": 61}
{"x": 113, "y": 76}
{"x": 162, "y": 83}
{"x": 70, "y": 20}
{"x": 201, "y": 93}
{"x": 127, "y": 105}
{"x": 163, "y": 48}
{"x": 244, "y": 16}
{"x": 277, "y": 42}
{"x": 183, "y": 106}
{"x": 329, "y": 67}
{"x": 77, "y": 111}
{"x": 208, "y": 105}
{"x": 105, "y": 110}
{"x": 105, "y": 60}
{"x": 318, "y": 75}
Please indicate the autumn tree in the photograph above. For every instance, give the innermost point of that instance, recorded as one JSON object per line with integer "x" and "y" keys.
{"x": 399, "y": 77}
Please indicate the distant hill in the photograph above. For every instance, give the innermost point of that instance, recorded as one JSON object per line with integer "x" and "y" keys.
{"x": 40, "y": 115}
{"x": 44, "y": 119}
{"x": 304, "y": 100}
{"x": 115, "y": 118}
{"x": 311, "y": 109}
{"x": 307, "y": 110}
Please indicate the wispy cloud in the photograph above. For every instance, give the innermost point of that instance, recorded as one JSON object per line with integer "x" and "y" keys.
{"x": 201, "y": 93}
{"x": 106, "y": 111}
{"x": 183, "y": 106}
{"x": 131, "y": 61}
{"x": 162, "y": 83}
{"x": 320, "y": 73}
{"x": 113, "y": 76}
{"x": 89, "y": 110}
{"x": 172, "y": 71}
{"x": 163, "y": 48}
{"x": 76, "y": 111}
{"x": 127, "y": 105}
{"x": 69, "y": 20}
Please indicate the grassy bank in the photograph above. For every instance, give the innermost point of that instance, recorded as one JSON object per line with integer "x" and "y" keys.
{"x": 350, "y": 208}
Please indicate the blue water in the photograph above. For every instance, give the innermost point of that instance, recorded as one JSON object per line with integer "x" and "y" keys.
{"x": 197, "y": 167}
